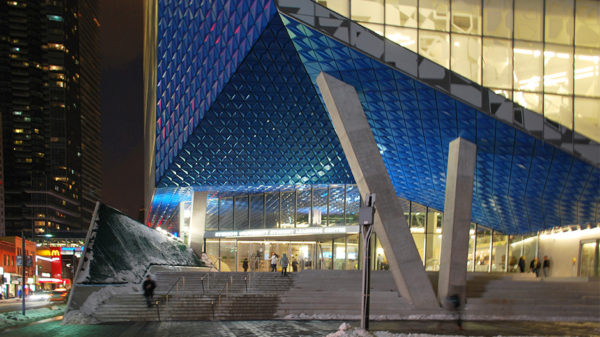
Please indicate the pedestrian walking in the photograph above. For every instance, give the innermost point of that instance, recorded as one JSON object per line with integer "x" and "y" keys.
{"x": 274, "y": 260}
{"x": 546, "y": 266}
{"x": 534, "y": 267}
{"x": 295, "y": 265}
{"x": 284, "y": 264}
{"x": 148, "y": 287}
{"x": 245, "y": 265}
{"x": 522, "y": 264}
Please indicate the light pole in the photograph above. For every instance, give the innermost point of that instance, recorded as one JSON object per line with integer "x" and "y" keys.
{"x": 366, "y": 215}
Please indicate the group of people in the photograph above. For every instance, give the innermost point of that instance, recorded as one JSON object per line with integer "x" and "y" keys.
{"x": 535, "y": 266}
{"x": 274, "y": 260}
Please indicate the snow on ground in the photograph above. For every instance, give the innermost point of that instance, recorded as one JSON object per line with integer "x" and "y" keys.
{"x": 84, "y": 315}
{"x": 346, "y": 330}
{"x": 31, "y": 315}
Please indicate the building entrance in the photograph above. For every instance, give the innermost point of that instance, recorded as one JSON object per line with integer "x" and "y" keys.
{"x": 588, "y": 257}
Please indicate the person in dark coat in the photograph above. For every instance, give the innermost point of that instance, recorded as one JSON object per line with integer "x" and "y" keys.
{"x": 245, "y": 265}
{"x": 534, "y": 267}
{"x": 522, "y": 264}
{"x": 295, "y": 265}
{"x": 148, "y": 287}
{"x": 284, "y": 264}
{"x": 546, "y": 266}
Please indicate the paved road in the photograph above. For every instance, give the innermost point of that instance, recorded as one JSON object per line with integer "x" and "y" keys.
{"x": 16, "y": 305}
{"x": 302, "y": 328}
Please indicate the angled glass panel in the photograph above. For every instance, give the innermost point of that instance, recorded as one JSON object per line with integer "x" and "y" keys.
{"x": 529, "y": 100}
{"x": 435, "y": 46}
{"x": 406, "y": 37}
{"x": 319, "y": 210}
{"x": 303, "y": 210}
{"x": 528, "y": 20}
{"x": 376, "y": 27}
{"x": 288, "y": 209}
{"x": 528, "y": 66}
{"x": 466, "y": 17}
{"x": 587, "y": 117}
{"x": 212, "y": 214}
{"x": 336, "y": 206}
{"x": 418, "y": 215}
{"x": 466, "y": 56}
{"x": 272, "y": 210}
{"x": 401, "y": 13}
{"x": 434, "y": 15}
{"x": 257, "y": 207}
{"x": 558, "y": 69}
{"x": 340, "y": 6}
{"x": 498, "y": 18}
{"x": 241, "y": 212}
{"x": 587, "y": 72}
{"x": 559, "y": 108}
{"x": 370, "y": 11}
{"x": 559, "y": 21}
{"x": 497, "y": 63}
{"x": 352, "y": 205}
{"x": 226, "y": 213}
{"x": 587, "y": 23}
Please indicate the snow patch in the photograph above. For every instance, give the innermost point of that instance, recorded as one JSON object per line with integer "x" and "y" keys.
{"x": 85, "y": 314}
{"x": 346, "y": 330}
{"x": 31, "y": 315}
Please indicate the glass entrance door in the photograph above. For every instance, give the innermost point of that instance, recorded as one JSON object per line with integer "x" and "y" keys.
{"x": 588, "y": 258}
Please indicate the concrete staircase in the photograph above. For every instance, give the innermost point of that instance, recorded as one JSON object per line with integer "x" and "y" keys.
{"x": 330, "y": 294}
{"x": 183, "y": 296}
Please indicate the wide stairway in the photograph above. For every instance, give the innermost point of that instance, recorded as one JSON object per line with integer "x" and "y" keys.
{"x": 336, "y": 295}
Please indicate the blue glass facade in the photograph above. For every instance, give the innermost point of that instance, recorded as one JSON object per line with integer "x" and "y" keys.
{"x": 238, "y": 109}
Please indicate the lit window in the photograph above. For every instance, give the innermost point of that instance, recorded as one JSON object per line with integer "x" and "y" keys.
{"x": 18, "y": 130}
{"x": 17, "y": 113}
{"x": 56, "y": 18}
{"x": 55, "y": 68}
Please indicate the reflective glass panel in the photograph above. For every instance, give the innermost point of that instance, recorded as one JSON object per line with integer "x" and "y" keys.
{"x": 406, "y": 37}
{"x": 352, "y": 252}
{"x": 516, "y": 242}
{"x": 339, "y": 253}
{"x": 558, "y": 69}
{"x": 336, "y": 206}
{"x": 340, "y": 6}
{"x": 471, "y": 254}
{"x": 319, "y": 211}
{"x": 531, "y": 101}
{"x": 212, "y": 214}
{"x": 324, "y": 254}
{"x": 587, "y": 117}
{"x": 367, "y": 10}
{"x": 419, "y": 238}
{"x": 505, "y": 93}
{"x": 303, "y": 207}
{"x": 226, "y": 214}
{"x": 406, "y": 208}
{"x": 587, "y": 72}
{"x": 497, "y": 63}
{"x": 257, "y": 207}
{"x": 528, "y": 66}
{"x": 418, "y": 217}
{"x": 466, "y": 56}
{"x": 528, "y": 19}
{"x": 587, "y": 23}
{"x": 272, "y": 210}
{"x": 434, "y": 247}
{"x": 379, "y": 261}
{"x": 559, "y": 21}
{"x": 241, "y": 212}
{"x": 212, "y": 251}
{"x": 498, "y": 18}
{"x": 352, "y": 205}
{"x": 288, "y": 209}
{"x": 434, "y": 15}
{"x": 377, "y": 28}
{"x": 435, "y": 46}
{"x": 401, "y": 13}
{"x": 499, "y": 252}
{"x": 559, "y": 109}
{"x": 466, "y": 16}
{"x": 529, "y": 249}
{"x": 482, "y": 249}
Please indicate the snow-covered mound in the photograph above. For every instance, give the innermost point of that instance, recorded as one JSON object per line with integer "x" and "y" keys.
{"x": 120, "y": 250}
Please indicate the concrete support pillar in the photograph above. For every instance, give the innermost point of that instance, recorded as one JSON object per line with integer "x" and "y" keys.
{"x": 457, "y": 218}
{"x": 371, "y": 176}
{"x": 198, "y": 222}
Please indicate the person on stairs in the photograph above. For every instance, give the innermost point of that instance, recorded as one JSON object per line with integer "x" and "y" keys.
{"x": 148, "y": 287}
{"x": 274, "y": 262}
{"x": 284, "y": 264}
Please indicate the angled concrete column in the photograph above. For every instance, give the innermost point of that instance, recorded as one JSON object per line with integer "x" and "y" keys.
{"x": 198, "y": 221}
{"x": 371, "y": 176}
{"x": 457, "y": 218}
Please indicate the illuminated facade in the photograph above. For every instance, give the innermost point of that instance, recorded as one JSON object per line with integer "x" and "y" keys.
{"x": 49, "y": 102}
{"x": 233, "y": 110}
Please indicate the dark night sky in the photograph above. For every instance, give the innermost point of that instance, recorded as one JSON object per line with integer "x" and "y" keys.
{"x": 121, "y": 90}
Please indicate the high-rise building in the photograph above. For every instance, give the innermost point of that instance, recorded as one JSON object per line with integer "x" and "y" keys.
{"x": 238, "y": 134}
{"x": 49, "y": 100}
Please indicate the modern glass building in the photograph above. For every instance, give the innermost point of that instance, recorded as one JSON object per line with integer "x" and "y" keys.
{"x": 237, "y": 134}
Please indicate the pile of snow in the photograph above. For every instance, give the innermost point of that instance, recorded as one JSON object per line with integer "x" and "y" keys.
{"x": 122, "y": 249}
{"x": 346, "y": 330}
{"x": 31, "y": 315}
{"x": 85, "y": 314}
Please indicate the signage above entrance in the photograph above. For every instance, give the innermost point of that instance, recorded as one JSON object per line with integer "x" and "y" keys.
{"x": 283, "y": 232}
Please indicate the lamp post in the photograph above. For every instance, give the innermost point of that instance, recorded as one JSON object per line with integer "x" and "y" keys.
{"x": 366, "y": 215}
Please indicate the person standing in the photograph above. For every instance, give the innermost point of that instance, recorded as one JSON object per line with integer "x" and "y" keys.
{"x": 148, "y": 287}
{"x": 522, "y": 264}
{"x": 274, "y": 260}
{"x": 245, "y": 265}
{"x": 546, "y": 266}
{"x": 284, "y": 264}
{"x": 534, "y": 267}
{"x": 294, "y": 265}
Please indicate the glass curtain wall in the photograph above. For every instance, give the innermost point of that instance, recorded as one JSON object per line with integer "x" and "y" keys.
{"x": 542, "y": 54}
